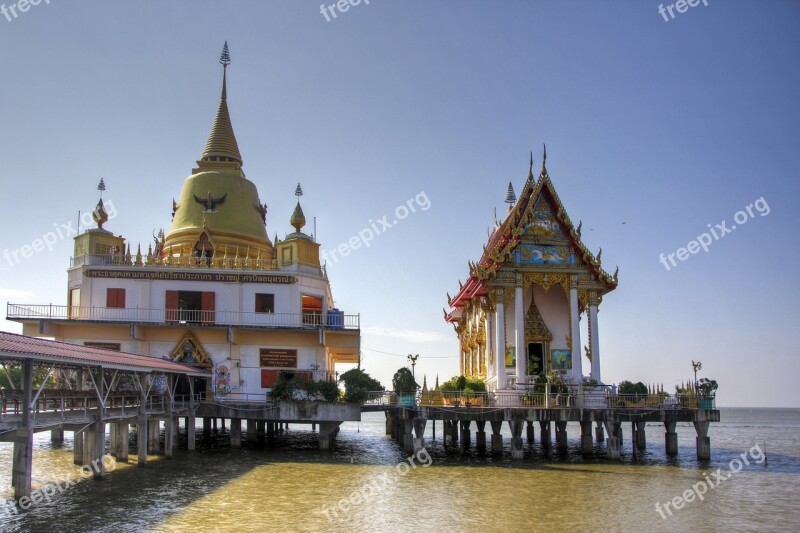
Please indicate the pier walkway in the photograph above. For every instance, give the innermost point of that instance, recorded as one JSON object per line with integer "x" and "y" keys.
{"x": 590, "y": 407}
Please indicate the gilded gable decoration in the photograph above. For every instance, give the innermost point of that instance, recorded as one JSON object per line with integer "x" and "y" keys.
{"x": 189, "y": 351}
{"x": 535, "y": 328}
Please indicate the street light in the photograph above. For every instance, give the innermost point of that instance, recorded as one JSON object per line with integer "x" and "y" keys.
{"x": 696, "y": 366}
{"x": 413, "y": 359}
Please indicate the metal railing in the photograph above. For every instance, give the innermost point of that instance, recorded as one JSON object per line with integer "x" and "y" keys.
{"x": 240, "y": 397}
{"x": 575, "y": 398}
{"x": 85, "y": 403}
{"x": 328, "y": 320}
{"x": 220, "y": 262}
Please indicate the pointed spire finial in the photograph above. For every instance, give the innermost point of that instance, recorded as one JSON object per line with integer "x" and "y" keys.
{"x": 101, "y": 187}
{"x": 511, "y": 198}
{"x": 544, "y": 160}
{"x": 298, "y": 219}
{"x": 530, "y": 168}
{"x": 225, "y": 57}
{"x": 221, "y": 145}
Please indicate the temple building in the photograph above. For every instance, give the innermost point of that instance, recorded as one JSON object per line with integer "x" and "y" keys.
{"x": 213, "y": 291}
{"x": 518, "y": 314}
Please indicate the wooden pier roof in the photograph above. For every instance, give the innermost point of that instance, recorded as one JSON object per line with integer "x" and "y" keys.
{"x": 13, "y": 346}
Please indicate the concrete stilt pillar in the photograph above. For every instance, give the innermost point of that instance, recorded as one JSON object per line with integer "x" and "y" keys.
{"x": 599, "y": 434}
{"x": 419, "y": 432}
{"x": 88, "y": 445}
{"x": 223, "y": 424}
{"x": 261, "y": 432}
{"x": 454, "y": 432}
{"x": 640, "y": 439}
{"x": 214, "y": 424}
{"x": 113, "y": 444}
{"x": 236, "y": 432}
{"x": 251, "y": 432}
{"x": 388, "y": 422}
{"x": 547, "y": 438}
{"x": 614, "y": 440}
{"x": 671, "y": 439}
{"x": 466, "y": 437}
{"x": 98, "y": 450}
{"x": 703, "y": 440}
{"x": 516, "y": 439}
{"x": 561, "y": 436}
{"x": 327, "y": 434}
{"x": 191, "y": 433}
{"x": 169, "y": 437}
{"x": 57, "y": 436}
{"x": 22, "y": 463}
{"x": 408, "y": 436}
{"x": 529, "y": 432}
{"x": 480, "y": 437}
{"x": 77, "y": 448}
{"x": 123, "y": 435}
{"x": 207, "y": 427}
{"x": 175, "y": 432}
{"x": 497, "y": 438}
{"x": 587, "y": 443}
{"x": 142, "y": 427}
{"x": 154, "y": 437}
{"x": 612, "y": 447}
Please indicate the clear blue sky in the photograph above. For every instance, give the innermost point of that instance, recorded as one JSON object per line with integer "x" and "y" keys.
{"x": 665, "y": 126}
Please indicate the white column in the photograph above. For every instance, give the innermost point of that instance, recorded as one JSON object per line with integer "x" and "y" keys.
{"x": 574, "y": 310}
{"x": 595, "y": 347}
{"x": 500, "y": 342}
{"x": 491, "y": 341}
{"x": 519, "y": 322}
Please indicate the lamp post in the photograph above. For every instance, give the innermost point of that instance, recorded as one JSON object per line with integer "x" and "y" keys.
{"x": 696, "y": 366}
{"x": 413, "y": 359}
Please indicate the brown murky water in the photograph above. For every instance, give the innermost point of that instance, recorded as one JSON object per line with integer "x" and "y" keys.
{"x": 368, "y": 484}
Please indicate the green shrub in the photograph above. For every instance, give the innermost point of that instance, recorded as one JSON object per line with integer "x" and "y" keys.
{"x": 403, "y": 381}
{"x": 357, "y": 385}
{"x": 627, "y": 387}
{"x": 290, "y": 387}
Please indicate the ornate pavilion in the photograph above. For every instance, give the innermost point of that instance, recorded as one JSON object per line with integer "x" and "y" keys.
{"x": 518, "y": 314}
{"x": 213, "y": 291}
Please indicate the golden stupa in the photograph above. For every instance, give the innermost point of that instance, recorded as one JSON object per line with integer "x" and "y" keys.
{"x": 219, "y": 211}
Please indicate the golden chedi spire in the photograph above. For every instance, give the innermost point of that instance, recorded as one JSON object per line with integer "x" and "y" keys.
{"x": 99, "y": 214}
{"x": 298, "y": 219}
{"x": 221, "y": 144}
{"x": 218, "y": 208}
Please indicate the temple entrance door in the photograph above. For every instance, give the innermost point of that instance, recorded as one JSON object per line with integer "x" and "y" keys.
{"x": 536, "y": 358}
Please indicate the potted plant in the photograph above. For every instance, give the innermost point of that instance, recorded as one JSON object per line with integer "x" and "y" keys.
{"x": 706, "y": 390}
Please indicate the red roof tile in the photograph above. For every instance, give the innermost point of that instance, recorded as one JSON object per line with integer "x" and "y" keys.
{"x": 12, "y": 344}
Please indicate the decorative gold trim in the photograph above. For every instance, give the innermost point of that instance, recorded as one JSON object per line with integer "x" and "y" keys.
{"x": 546, "y": 280}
